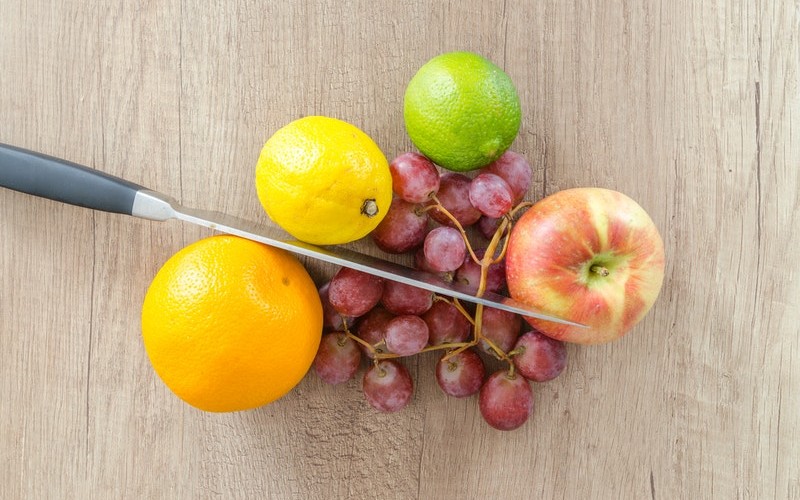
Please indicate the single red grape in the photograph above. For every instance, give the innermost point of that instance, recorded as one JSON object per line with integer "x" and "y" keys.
{"x": 501, "y": 327}
{"x": 487, "y": 226}
{"x": 414, "y": 177}
{"x": 444, "y": 249}
{"x": 491, "y": 195}
{"x": 388, "y": 386}
{"x": 400, "y": 298}
{"x": 446, "y": 324}
{"x": 469, "y": 274}
{"x": 337, "y": 358}
{"x": 332, "y": 320}
{"x": 403, "y": 228}
{"x": 460, "y": 375}
{"x": 539, "y": 357}
{"x": 505, "y": 400}
{"x": 406, "y": 335}
{"x": 353, "y": 293}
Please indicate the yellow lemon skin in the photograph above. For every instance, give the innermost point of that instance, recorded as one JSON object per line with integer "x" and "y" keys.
{"x": 323, "y": 180}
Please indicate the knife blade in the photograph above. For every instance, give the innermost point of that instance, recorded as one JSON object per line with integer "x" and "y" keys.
{"x": 61, "y": 180}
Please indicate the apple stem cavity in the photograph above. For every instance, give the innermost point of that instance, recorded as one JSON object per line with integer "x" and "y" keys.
{"x": 601, "y": 270}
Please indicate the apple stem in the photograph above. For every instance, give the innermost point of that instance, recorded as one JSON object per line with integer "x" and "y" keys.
{"x": 601, "y": 270}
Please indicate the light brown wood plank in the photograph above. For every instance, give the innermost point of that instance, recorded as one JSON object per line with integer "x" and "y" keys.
{"x": 49, "y": 83}
{"x": 138, "y": 430}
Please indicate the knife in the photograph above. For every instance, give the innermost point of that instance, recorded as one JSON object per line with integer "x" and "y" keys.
{"x": 61, "y": 180}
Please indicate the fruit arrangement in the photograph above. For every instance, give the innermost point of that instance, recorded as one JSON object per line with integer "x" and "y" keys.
{"x": 478, "y": 231}
{"x": 385, "y": 320}
{"x": 457, "y": 209}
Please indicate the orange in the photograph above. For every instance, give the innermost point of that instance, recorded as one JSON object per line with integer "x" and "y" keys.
{"x": 461, "y": 111}
{"x": 230, "y": 324}
{"x": 323, "y": 180}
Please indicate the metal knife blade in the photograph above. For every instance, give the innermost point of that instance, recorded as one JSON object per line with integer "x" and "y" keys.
{"x": 152, "y": 205}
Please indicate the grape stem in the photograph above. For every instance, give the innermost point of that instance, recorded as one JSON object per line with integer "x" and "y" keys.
{"x": 361, "y": 341}
{"x": 502, "y": 254}
{"x": 458, "y": 226}
{"x": 457, "y": 304}
{"x": 477, "y": 326}
{"x": 488, "y": 257}
{"x": 461, "y": 349}
{"x": 439, "y": 347}
{"x": 501, "y": 355}
{"x": 503, "y": 232}
{"x": 381, "y": 370}
{"x": 520, "y": 206}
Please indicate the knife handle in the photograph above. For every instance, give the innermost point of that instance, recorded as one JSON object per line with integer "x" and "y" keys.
{"x": 61, "y": 180}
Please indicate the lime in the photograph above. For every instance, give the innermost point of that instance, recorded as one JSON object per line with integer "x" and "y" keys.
{"x": 461, "y": 111}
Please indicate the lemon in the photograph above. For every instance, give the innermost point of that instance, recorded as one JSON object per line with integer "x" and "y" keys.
{"x": 323, "y": 180}
{"x": 461, "y": 111}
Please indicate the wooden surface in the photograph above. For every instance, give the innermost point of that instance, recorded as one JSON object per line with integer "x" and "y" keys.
{"x": 691, "y": 108}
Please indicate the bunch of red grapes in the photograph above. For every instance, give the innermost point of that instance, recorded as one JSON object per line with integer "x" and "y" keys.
{"x": 386, "y": 320}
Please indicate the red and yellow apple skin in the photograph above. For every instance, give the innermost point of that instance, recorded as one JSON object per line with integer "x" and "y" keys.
{"x": 589, "y": 255}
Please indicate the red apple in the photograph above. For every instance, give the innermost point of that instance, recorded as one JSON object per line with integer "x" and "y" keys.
{"x": 589, "y": 255}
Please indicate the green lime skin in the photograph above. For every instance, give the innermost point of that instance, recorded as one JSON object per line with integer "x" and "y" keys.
{"x": 461, "y": 111}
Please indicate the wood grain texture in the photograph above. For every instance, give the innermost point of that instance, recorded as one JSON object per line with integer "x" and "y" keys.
{"x": 691, "y": 108}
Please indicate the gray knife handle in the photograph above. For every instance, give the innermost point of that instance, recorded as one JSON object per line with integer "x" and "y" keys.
{"x": 61, "y": 180}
